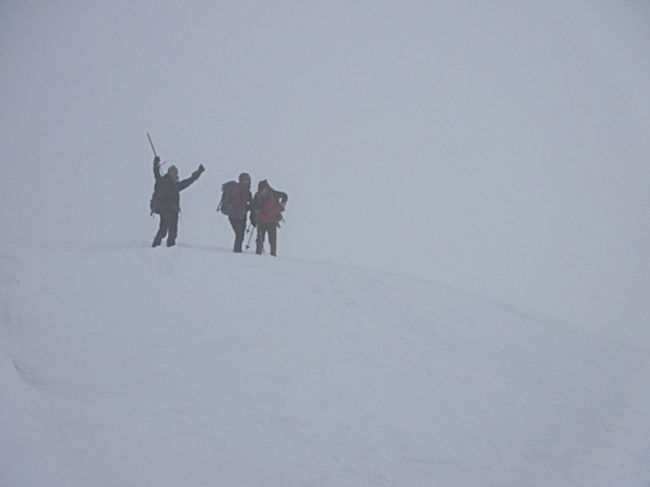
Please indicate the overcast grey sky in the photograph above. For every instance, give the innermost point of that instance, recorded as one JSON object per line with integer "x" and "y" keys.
{"x": 500, "y": 147}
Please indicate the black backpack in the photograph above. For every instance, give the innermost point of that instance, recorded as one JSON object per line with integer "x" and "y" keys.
{"x": 154, "y": 203}
{"x": 226, "y": 203}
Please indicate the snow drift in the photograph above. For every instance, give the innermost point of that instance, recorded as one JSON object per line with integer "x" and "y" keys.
{"x": 122, "y": 365}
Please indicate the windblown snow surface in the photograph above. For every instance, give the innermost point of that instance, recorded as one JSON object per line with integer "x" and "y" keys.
{"x": 126, "y": 366}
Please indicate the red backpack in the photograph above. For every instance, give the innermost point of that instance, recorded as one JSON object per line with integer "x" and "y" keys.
{"x": 270, "y": 209}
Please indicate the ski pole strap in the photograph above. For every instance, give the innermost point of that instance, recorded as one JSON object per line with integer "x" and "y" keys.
{"x": 248, "y": 244}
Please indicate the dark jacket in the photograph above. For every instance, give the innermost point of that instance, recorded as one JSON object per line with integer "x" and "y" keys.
{"x": 167, "y": 190}
{"x": 268, "y": 204}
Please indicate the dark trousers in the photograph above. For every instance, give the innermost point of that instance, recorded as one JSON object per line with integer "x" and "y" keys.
{"x": 239, "y": 226}
{"x": 168, "y": 226}
{"x": 262, "y": 230}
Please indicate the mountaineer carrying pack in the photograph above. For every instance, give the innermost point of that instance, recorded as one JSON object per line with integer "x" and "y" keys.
{"x": 236, "y": 199}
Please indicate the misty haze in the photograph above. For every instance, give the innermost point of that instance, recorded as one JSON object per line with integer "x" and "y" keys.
{"x": 455, "y": 171}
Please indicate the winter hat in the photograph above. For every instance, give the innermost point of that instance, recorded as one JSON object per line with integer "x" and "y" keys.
{"x": 244, "y": 177}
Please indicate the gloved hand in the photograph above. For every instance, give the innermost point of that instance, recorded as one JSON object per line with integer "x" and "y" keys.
{"x": 156, "y": 161}
{"x": 198, "y": 172}
{"x": 253, "y": 220}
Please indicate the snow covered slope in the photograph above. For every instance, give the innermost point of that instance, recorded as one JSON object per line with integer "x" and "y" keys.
{"x": 127, "y": 366}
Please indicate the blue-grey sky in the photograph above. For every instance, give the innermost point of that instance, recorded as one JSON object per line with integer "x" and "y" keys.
{"x": 501, "y": 147}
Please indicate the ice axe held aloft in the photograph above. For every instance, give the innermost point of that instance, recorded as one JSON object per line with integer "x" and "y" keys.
{"x": 151, "y": 144}
{"x": 154, "y": 149}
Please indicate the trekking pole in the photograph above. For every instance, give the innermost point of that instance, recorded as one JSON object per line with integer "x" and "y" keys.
{"x": 248, "y": 244}
{"x": 151, "y": 144}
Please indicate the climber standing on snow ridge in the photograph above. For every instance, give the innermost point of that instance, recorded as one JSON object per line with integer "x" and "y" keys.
{"x": 166, "y": 200}
{"x": 236, "y": 199}
{"x": 266, "y": 214}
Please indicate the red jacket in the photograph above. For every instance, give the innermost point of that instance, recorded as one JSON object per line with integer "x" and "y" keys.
{"x": 268, "y": 205}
